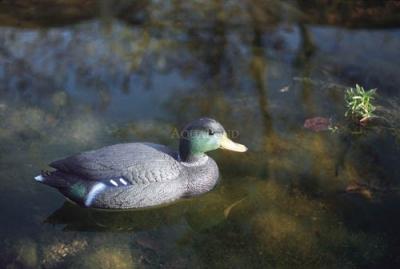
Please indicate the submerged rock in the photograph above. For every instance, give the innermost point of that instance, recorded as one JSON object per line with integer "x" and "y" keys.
{"x": 106, "y": 258}
{"x": 58, "y": 252}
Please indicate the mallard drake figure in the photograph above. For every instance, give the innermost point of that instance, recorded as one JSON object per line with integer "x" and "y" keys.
{"x": 138, "y": 175}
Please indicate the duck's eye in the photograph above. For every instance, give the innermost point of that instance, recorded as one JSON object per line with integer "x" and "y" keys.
{"x": 211, "y": 132}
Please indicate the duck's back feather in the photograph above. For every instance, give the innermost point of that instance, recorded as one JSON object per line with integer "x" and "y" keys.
{"x": 137, "y": 163}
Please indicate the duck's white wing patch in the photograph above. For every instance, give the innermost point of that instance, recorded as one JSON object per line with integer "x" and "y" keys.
{"x": 39, "y": 178}
{"x": 123, "y": 181}
{"x": 96, "y": 189}
{"x": 112, "y": 181}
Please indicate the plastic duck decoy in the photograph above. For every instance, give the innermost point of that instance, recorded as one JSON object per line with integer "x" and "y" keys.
{"x": 139, "y": 175}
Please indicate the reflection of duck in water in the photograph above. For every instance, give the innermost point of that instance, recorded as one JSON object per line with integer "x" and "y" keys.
{"x": 137, "y": 175}
{"x": 74, "y": 218}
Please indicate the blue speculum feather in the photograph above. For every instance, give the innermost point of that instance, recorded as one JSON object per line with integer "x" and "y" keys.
{"x": 78, "y": 190}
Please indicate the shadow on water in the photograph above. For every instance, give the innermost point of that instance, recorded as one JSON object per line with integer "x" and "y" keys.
{"x": 75, "y": 218}
{"x": 76, "y": 75}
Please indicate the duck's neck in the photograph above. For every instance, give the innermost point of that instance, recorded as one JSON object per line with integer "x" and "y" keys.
{"x": 186, "y": 154}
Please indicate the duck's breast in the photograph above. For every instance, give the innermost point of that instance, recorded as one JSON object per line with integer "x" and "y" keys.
{"x": 202, "y": 178}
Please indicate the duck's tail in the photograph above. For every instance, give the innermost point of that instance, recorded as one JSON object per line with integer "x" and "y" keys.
{"x": 53, "y": 178}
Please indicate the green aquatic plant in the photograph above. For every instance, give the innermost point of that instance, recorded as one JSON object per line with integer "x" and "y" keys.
{"x": 359, "y": 102}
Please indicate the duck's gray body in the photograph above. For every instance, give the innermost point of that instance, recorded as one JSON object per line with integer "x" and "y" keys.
{"x": 133, "y": 175}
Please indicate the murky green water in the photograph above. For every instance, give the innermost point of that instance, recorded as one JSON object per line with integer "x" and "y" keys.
{"x": 74, "y": 77}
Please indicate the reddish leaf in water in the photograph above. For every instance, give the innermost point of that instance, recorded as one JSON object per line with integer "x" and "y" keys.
{"x": 317, "y": 124}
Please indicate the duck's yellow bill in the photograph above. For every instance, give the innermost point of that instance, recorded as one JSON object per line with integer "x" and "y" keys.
{"x": 228, "y": 144}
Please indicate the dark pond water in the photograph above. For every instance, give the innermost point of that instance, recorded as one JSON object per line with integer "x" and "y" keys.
{"x": 83, "y": 75}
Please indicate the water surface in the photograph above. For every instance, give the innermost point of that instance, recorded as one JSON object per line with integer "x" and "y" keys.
{"x": 94, "y": 75}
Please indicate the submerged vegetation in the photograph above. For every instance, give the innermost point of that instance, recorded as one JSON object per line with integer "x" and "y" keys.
{"x": 361, "y": 106}
{"x": 359, "y": 103}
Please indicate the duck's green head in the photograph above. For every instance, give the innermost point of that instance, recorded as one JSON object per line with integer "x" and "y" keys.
{"x": 204, "y": 135}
